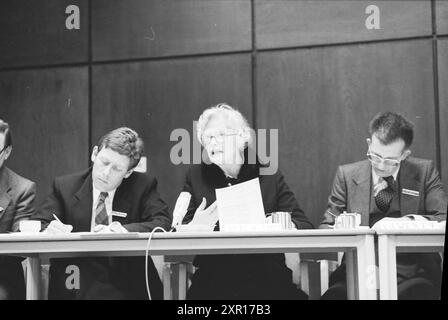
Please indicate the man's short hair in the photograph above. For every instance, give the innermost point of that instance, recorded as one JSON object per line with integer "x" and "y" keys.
{"x": 126, "y": 142}
{"x": 4, "y": 128}
{"x": 389, "y": 127}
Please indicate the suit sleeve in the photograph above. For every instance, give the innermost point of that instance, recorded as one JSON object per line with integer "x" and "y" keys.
{"x": 25, "y": 205}
{"x": 337, "y": 201}
{"x": 52, "y": 204}
{"x": 436, "y": 199}
{"x": 192, "y": 206}
{"x": 155, "y": 212}
{"x": 286, "y": 201}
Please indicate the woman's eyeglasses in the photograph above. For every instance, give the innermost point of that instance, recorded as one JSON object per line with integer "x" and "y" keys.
{"x": 220, "y": 136}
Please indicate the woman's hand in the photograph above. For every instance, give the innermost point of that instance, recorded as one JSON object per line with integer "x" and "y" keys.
{"x": 204, "y": 216}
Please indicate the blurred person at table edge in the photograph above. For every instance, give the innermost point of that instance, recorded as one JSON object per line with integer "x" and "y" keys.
{"x": 17, "y": 196}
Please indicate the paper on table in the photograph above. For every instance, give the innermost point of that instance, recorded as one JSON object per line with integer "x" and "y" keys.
{"x": 240, "y": 204}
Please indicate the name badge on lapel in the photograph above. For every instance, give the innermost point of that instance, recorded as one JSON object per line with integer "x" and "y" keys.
{"x": 119, "y": 214}
{"x": 410, "y": 192}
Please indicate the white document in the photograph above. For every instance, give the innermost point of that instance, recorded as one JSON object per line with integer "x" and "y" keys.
{"x": 240, "y": 204}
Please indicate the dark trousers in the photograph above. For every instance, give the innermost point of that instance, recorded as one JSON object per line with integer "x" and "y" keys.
{"x": 418, "y": 278}
{"x": 12, "y": 280}
{"x": 243, "y": 277}
{"x": 104, "y": 278}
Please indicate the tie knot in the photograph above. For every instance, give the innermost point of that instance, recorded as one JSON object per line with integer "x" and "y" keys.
{"x": 103, "y": 196}
{"x": 389, "y": 180}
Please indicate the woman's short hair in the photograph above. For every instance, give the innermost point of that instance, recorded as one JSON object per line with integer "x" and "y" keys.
{"x": 126, "y": 142}
{"x": 231, "y": 113}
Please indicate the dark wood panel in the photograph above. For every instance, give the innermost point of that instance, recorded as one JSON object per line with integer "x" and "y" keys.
{"x": 442, "y": 16}
{"x": 157, "y": 97}
{"x": 48, "y": 113}
{"x": 443, "y": 95}
{"x": 138, "y": 29}
{"x": 35, "y": 33}
{"x": 285, "y": 23}
{"x": 322, "y": 100}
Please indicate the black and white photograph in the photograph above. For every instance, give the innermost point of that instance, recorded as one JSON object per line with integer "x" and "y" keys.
{"x": 232, "y": 153}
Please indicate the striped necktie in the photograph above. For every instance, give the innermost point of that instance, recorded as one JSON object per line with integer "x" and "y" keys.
{"x": 100, "y": 211}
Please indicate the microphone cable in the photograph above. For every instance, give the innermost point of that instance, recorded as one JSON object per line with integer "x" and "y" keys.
{"x": 146, "y": 259}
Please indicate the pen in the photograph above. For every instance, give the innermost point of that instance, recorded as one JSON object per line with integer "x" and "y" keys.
{"x": 331, "y": 213}
{"x": 56, "y": 217}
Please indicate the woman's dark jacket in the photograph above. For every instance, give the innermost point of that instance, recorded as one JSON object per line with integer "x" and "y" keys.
{"x": 261, "y": 272}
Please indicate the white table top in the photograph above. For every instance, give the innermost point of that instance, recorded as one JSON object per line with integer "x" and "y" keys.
{"x": 180, "y": 243}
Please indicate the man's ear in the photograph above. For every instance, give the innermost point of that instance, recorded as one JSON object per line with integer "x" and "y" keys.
{"x": 94, "y": 153}
{"x": 128, "y": 173}
{"x": 407, "y": 153}
{"x": 369, "y": 142}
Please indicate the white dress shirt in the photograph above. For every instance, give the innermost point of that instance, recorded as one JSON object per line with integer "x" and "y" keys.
{"x": 377, "y": 179}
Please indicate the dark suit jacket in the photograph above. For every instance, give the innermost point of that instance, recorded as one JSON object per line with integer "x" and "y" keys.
{"x": 258, "y": 275}
{"x": 17, "y": 196}
{"x": 71, "y": 200}
{"x": 352, "y": 192}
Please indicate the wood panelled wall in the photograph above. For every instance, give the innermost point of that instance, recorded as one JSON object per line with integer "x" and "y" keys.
{"x": 308, "y": 68}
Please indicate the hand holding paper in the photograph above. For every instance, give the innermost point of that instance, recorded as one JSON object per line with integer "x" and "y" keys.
{"x": 208, "y": 216}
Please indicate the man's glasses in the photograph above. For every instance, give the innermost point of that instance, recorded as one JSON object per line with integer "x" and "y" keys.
{"x": 220, "y": 136}
{"x": 375, "y": 159}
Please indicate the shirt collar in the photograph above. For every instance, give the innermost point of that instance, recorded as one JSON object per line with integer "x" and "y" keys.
{"x": 96, "y": 194}
{"x": 376, "y": 178}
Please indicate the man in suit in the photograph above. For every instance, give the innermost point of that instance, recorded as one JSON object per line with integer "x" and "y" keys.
{"x": 391, "y": 184}
{"x": 17, "y": 196}
{"x": 106, "y": 197}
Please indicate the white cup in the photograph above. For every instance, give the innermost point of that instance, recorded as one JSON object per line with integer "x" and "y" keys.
{"x": 30, "y": 226}
{"x": 283, "y": 218}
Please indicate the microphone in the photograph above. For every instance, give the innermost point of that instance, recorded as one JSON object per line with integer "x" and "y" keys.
{"x": 181, "y": 208}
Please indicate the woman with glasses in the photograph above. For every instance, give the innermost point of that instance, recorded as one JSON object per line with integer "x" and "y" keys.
{"x": 225, "y": 135}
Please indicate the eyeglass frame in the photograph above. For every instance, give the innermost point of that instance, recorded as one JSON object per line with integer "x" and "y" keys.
{"x": 396, "y": 162}
{"x": 222, "y": 137}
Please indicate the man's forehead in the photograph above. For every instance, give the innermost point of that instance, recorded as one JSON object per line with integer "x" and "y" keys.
{"x": 392, "y": 149}
{"x": 114, "y": 156}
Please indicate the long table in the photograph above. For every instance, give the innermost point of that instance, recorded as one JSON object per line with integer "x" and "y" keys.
{"x": 392, "y": 241}
{"x": 358, "y": 245}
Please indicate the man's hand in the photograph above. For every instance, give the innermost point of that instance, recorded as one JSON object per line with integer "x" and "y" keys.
{"x": 115, "y": 227}
{"x": 57, "y": 227}
{"x": 208, "y": 216}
